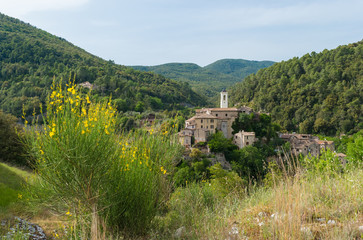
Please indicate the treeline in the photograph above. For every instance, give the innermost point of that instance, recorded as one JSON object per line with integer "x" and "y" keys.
{"x": 30, "y": 58}
{"x": 317, "y": 93}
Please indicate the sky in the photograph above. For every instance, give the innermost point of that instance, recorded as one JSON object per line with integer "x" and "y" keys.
{"x": 153, "y": 32}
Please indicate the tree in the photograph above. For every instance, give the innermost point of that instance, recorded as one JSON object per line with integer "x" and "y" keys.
{"x": 250, "y": 164}
{"x": 11, "y": 146}
{"x": 218, "y": 143}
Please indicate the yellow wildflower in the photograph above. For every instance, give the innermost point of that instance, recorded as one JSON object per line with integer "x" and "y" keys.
{"x": 51, "y": 134}
{"x": 20, "y": 196}
{"x": 41, "y": 151}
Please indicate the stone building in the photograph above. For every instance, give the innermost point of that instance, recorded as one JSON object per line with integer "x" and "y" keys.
{"x": 243, "y": 139}
{"x": 207, "y": 120}
{"x": 306, "y": 143}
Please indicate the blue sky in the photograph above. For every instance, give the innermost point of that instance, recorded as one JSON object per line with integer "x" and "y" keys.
{"x": 151, "y": 32}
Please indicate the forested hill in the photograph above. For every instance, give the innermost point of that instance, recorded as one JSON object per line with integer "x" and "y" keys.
{"x": 30, "y": 58}
{"x": 211, "y": 79}
{"x": 317, "y": 93}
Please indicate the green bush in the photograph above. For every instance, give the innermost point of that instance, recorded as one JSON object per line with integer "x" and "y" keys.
{"x": 105, "y": 180}
{"x": 11, "y": 147}
{"x": 327, "y": 164}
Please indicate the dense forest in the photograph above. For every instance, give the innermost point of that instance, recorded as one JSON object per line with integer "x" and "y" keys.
{"x": 30, "y": 58}
{"x": 317, "y": 93}
{"x": 211, "y": 79}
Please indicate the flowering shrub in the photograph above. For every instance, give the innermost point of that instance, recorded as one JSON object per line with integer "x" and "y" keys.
{"x": 98, "y": 177}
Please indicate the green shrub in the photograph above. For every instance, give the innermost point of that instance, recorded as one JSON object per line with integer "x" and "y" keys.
{"x": 104, "y": 180}
{"x": 326, "y": 164}
{"x": 355, "y": 150}
{"x": 11, "y": 147}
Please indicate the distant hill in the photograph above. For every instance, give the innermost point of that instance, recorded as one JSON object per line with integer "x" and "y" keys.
{"x": 211, "y": 79}
{"x": 317, "y": 93}
{"x": 30, "y": 58}
{"x": 239, "y": 68}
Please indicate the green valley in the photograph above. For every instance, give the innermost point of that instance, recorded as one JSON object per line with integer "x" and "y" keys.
{"x": 211, "y": 79}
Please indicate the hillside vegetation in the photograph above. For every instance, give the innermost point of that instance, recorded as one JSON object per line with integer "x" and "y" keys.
{"x": 211, "y": 79}
{"x": 30, "y": 58}
{"x": 317, "y": 93}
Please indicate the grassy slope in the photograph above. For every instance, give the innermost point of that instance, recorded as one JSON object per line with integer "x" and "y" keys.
{"x": 11, "y": 180}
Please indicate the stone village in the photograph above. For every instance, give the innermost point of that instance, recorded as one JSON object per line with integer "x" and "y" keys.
{"x": 207, "y": 120}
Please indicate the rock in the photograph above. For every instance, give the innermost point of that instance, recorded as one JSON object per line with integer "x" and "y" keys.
{"x": 331, "y": 222}
{"x": 29, "y": 230}
{"x": 306, "y": 231}
{"x": 179, "y": 232}
{"x": 233, "y": 234}
{"x": 220, "y": 158}
{"x": 261, "y": 214}
{"x": 360, "y": 229}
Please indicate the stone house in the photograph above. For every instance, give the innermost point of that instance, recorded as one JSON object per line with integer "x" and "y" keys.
{"x": 243, "y": 139}
{"x": 207, "y": 120}
{"x": 306, "y": 143}
{"x": 185, "y": 137}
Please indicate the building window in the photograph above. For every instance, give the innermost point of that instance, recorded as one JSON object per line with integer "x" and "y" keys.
{"x": 201, "y": 120}
{"x": 212, "y": 126}
{"x": 247, "y": 137}
{"x": 212, "y": 120}
{"x": 202, "y": 126}
{"x": 207, "y": 127}
{"x": 226, "y": 114}
{"x": 247, "y": 143}
{"x": 224, "y": 97}
{"x": 216, "y": 114}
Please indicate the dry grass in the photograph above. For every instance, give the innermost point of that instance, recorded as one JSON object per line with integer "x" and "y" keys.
{"x": 306, "y": 208}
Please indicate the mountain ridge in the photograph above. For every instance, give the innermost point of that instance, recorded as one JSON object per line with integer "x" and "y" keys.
{"x": 316, "y": 93}
{"x": 210, "y": 79}
{"x": 31, "y": 57}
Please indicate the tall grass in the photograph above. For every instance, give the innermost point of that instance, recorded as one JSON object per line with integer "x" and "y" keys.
{"x": 103, "y": 181}
{"x": 319, "y": 201}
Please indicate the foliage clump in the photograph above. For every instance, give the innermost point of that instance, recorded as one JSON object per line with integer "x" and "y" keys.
{"x": 106, "y": 181}
{"x": 11, "y": 147}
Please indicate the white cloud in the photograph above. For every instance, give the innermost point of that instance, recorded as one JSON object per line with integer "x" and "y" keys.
{"x": 18, "y": 8}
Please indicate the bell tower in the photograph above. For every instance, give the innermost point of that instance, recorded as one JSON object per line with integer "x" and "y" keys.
{"x": 224, "y": 99}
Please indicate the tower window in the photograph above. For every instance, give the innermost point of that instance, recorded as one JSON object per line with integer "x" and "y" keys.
{"x": 224, "y": 97}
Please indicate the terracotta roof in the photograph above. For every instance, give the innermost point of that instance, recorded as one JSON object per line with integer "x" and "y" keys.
{"x": 204, "y": 116}
{"x": 246, "y": 133}
{"x": 324, "y": 142}
{"x": 191, "y": 119}
{"x": 218, "y": 110}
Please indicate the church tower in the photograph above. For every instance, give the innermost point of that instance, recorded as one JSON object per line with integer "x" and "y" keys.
{"x": 224, "y": 99}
